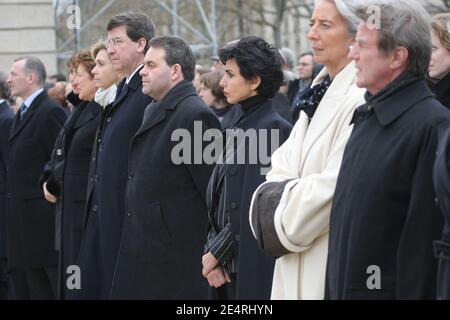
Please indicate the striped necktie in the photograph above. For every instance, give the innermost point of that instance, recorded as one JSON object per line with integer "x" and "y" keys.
{"x": 22, "y": 110}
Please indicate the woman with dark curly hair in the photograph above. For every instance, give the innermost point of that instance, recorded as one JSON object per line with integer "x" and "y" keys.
{"x": 234, "y": 265}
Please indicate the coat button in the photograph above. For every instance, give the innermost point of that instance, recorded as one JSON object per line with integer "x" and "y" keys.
{"x": 59, "y": 152}
{"x": 108, "y": 119}
{"x": 130, "y": 177}
{"x": 95, "y": 208}
{"x": 234, "y": 205}
{"x": 237, "y": 237}
{"x": 436, "y": 200}
{"x": 129, "y": 214}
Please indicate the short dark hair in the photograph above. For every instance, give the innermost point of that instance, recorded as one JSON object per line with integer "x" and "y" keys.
{"x": 5, "y": 90}
{"x": 138, "y": 26}
{"x": 255, "y": 57}
{"x": 177, "y": 52}
{"x": 34, "y": 65}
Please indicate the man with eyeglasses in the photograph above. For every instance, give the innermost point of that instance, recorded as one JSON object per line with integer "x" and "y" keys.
{"x": 128, "y": 38}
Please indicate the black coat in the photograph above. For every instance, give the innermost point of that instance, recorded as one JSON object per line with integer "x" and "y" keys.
{"x": 164, "y": 229}
{"x": 31, "y": 219}
{"x": 384, "y": 213}
{"x": 442, "y": 187}
{"x": 442, "y": 90}
{"x": 105, "y": 208}
{"x": 254, "y": 269}
{"x": 69, "y": 168}
{"x": 6, "y": 120}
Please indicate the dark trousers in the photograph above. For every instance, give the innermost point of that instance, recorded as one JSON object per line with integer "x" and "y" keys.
{"x": 225, "y": 292}
{"x": 4, "y": 281}
{"x": 34, "y": 283}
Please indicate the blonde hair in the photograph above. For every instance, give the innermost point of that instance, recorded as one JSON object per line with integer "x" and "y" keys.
{"x": 97, "y": 47}
{"x": 440, "y": 24}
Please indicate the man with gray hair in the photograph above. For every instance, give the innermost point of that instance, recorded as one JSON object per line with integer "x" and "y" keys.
{"x": 32, "y": 257}
{"x": 384, "y": 216}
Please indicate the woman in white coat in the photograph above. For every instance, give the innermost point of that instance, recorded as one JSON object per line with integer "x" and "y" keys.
{"x": 294, "y": 226}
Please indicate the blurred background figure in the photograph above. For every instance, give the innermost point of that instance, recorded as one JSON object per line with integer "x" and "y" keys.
{"x": 56, "y": 78}
{"x": 439, "y": 71}
{"x": 58, "y": 93}
{"x": 288, "y": 69}
{"x": 307, "y": 70}
{"x": 199, "y": 71}
{"x": 6, "y": 120}
{"x": 212, "y": 93}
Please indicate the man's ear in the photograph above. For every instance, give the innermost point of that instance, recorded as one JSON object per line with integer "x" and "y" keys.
{"x": 399, "y": 58}
{"x": 177, "y": 73}
{"x": 141, "y": 45}
{"x": 30, "y": 77}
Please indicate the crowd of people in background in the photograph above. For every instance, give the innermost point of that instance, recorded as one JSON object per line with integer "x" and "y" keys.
{"x": 353, "y": 204}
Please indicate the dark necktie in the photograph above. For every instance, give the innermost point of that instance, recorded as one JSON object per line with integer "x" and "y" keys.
{"x": 22, "y": 111}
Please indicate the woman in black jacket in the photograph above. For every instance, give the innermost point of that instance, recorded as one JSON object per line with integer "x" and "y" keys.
{"x": 65, "y": 177}
{"x": 233, "y": 263}
{"x": 439, "y": 71}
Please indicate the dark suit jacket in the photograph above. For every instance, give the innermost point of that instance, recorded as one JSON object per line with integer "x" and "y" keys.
{"x": 105, "y": 208}
{"x": 6, "y": 120}
{"x": 31, "y": 219}
{"x": 164, "y": 229}
{"x": 69, "y": 170}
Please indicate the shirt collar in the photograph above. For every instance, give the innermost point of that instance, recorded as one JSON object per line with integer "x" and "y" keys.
{"x": 2, "y": 100}
{"x": 134, "y": 72}
{"x": 28, "y": 101}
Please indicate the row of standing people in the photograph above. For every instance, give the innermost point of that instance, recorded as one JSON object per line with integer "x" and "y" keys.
{"x": 142, "y": 232}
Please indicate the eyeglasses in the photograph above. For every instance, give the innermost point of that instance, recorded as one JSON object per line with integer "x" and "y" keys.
{"x": 114, "y": 42}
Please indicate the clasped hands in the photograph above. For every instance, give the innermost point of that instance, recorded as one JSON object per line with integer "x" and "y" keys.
{"x": 216, "y": 275}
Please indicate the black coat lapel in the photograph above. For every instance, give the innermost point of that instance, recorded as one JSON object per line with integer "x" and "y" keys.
{"x": 19, "y": 125}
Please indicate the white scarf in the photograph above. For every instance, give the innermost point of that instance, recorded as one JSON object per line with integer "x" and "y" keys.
{"x": 106, "y": 96}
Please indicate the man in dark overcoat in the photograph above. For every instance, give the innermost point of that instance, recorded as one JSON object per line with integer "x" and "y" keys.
{"x": 384, "y": 216}
{"x": 165, "y": 222}
{"x": 31, "y": 252}
{"x": 128, "y": 36}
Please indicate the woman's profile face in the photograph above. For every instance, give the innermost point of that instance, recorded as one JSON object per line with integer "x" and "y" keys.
{"x": 235, "y": 87}
{"x": 440, "y": 59}
{"x": 104, "y": 73}
{"x": 329, "y": 36}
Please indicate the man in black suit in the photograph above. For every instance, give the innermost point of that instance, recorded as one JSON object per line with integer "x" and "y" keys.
{"x": 165, "y": 222}
{"x": 6, "y": 120}
{"x": 128, "y": 37}
{"x": 31, "y": 226}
